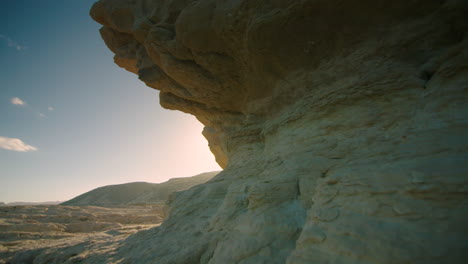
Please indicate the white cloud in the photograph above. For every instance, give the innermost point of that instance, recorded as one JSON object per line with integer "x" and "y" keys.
{"x": 50, "y": 108}
{"x": 41, "y": 115}
{"x": 13, "y": 44}
{"x": 15, "y": 144}
{"x": 17, "y": 101}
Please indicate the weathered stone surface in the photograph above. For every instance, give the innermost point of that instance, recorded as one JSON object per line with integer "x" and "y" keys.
{"x": 341, "y": 126}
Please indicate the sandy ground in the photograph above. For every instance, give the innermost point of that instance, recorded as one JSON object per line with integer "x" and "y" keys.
{"x": 81, "y": 231}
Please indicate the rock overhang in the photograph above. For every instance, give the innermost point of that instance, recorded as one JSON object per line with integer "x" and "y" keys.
{"x": 238, "y": 64}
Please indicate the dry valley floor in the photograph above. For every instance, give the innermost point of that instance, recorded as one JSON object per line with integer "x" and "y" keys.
{"x": 81, "y": 231}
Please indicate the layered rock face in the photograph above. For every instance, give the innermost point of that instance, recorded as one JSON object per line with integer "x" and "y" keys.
{"x": 341, "y": 126}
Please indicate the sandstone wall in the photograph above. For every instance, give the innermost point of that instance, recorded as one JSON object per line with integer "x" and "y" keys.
{"x": 341, "y": 125}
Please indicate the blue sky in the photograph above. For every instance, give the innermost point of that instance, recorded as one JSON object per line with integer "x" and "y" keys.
{"x": 71, "y": 120}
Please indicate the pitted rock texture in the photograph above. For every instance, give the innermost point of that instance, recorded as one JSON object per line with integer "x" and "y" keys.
{"x": 341, "y": 126}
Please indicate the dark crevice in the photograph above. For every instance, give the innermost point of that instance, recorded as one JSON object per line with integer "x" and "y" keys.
{"x": 426, "y": 76}
{"x": 324, "y": 173}
{"x": 298, "y": 187}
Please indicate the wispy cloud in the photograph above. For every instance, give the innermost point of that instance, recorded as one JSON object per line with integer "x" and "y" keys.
{"x": 21, "y": 103}
{"x": 12, "y": 44}
{"x": 17, "y": 101}
{"x": 15, "y": 144}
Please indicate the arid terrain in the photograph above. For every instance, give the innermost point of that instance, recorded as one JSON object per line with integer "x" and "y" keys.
{"x": 340, "y": 127}
{"x": 82, "y": 230}
{"x": 90, "y": 226}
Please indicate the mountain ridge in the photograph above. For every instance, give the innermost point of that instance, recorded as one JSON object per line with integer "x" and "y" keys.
{"x": 137, "y": 192}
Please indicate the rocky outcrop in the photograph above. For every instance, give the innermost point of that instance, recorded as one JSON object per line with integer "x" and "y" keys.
{"x": 341, "y": 126}
{"x": 138, "y": 192}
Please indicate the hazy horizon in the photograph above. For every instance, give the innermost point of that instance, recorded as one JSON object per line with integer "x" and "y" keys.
{"x": 72, "y": 120}
{"x": 50, "y": 201}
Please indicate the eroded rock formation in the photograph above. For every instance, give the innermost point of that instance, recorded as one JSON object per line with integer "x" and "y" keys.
{"x": 341, "y": 126}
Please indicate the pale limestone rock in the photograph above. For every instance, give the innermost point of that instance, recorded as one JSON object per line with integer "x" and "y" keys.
{"x": 341, "y": 126}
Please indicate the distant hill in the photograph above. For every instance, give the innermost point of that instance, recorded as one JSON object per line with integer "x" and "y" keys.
{"x": 138, "y": 192}
{"x": 30, "y": 203}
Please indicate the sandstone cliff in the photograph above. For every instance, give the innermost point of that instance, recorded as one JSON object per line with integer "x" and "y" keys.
{"x": 341, "y": 125}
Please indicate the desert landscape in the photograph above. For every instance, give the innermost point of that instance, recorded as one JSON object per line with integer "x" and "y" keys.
{"x": 340, "y": 127}
{"x": 78, "y": 232}
{"x": 95, "y": 223}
